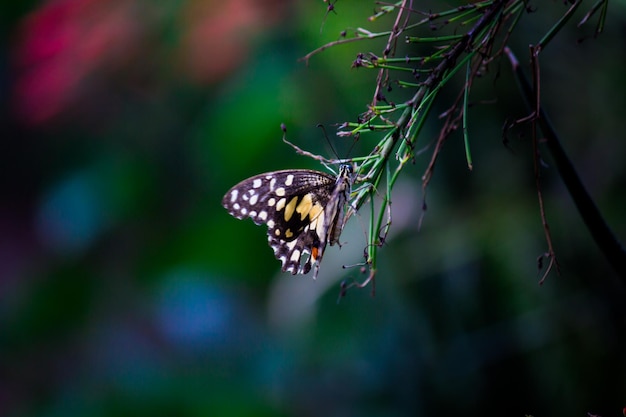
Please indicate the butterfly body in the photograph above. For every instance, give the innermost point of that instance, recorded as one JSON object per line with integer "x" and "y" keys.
{"x": 303, "y": 210}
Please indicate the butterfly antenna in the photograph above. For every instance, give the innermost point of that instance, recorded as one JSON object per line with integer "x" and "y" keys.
{"x": 321, "y": 126}
{"x": 302, "y": 152}
{"x": 356, "y": 139}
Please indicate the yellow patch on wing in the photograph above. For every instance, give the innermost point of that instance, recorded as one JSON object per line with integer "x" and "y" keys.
{"x": 318, "y": 225}
{"x": 289, "y": 208}
{"x": 305, "y": 206}
{"x": 315, "y": 211}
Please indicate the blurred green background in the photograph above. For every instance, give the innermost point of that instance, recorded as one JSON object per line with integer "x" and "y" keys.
{"x": 127, "y": 290}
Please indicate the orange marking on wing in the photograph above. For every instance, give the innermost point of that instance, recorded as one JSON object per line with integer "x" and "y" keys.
{"x": 314, "y": 253}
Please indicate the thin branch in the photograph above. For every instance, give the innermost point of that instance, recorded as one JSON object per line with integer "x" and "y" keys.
{"x": 597, "y": 226}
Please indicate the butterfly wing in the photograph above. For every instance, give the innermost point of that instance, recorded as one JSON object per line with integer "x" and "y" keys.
{"x": 293, "y": 204}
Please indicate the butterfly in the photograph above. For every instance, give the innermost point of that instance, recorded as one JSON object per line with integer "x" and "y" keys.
{"x": 303, "y": 210}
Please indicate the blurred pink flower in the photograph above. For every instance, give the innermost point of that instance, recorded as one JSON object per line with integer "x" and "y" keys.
{"x": 217, "y": 35}
{"x": 71, "y": 53}
{"x": 61, "y": 45}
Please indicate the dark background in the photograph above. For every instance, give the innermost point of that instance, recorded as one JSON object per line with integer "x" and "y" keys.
{"x": 127, "y": 290}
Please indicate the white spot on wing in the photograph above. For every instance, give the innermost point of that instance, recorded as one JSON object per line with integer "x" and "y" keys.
{"x": 233, "y": 195}
{"x": 289, "y": 180}
{"x": 257, "y": 183}
{"x": 280, "y": 191}
{"x": 263, "y": 215}
{"x": 254, "y": 199}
